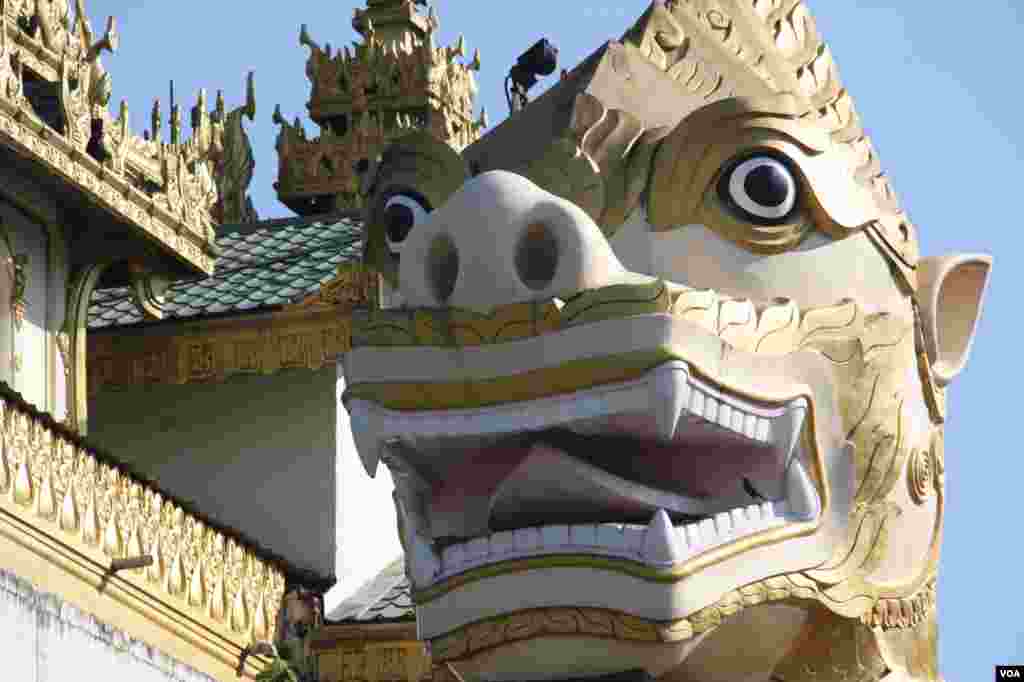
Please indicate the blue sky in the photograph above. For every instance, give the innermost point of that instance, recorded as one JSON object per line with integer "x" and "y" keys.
{"x": 938, "y": 91}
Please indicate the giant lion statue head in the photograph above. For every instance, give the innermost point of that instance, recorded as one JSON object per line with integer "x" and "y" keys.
{"x": 662, "y": 385}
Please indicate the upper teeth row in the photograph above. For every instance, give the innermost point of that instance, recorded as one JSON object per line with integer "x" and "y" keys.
{"x": 658, "y": 543}
{"x": 711, "y": 409}
{"x": 669, "y": 392}
{"x": 676, "y": 393}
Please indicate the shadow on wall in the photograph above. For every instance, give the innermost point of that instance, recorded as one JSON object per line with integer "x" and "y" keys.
{"x": 255, "y": 453}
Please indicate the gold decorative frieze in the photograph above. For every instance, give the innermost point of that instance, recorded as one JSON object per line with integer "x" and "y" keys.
{"x": 63, "y": 500}
{"x": 307, "y": 338}
{"x": 467, "y": 641}
{"x": 370, "y": 651}
{"x": 173, "y": 192}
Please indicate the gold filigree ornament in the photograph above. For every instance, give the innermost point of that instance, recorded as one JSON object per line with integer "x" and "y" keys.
{"x": 921, "y": 476}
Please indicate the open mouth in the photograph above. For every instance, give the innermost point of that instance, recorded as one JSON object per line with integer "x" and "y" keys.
{"x": 658, "y": 470}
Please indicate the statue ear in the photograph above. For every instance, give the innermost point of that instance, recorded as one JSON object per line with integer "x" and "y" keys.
{"x": 950, "y": 291}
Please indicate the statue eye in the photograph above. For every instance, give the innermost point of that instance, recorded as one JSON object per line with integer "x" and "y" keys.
{"x": 400, "y": 214}
{"x": 761, "y": 188}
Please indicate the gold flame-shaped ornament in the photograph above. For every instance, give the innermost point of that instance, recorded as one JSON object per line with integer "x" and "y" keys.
{"x": 239, "y": 611}
{"x": 176, "y": 576}
{"x": 91, "y": 522}
{"x": 155, "y": 570}
{"x": 112, "y": 541}
{"x": 134, "y": 548}
{"x": 218, "y": 606}
{"x": 197, "y": 586}
{"x": 22, "y": 491}
{"x": 46, "y": 501}
{"x": 5, "y": 469}
{"x": 68, "y": 519}
{"x": 261, "y": 620}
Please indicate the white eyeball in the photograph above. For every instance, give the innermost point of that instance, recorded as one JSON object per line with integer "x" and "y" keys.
{"x": 401, "y": 213}
{"x": 762, "y": 188}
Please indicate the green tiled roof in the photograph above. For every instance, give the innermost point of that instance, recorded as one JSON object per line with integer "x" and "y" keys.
{"x": 387, "y": 597}
{"x": 262, "y": 265}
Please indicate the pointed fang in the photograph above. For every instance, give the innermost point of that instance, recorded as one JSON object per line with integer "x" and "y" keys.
{"x": 366, "y": 443}
{"x": 786, "y": 430}
{"x": 661, "y": 544}
{"x": 801, "y": 495}
{"x": 670, "y": 394}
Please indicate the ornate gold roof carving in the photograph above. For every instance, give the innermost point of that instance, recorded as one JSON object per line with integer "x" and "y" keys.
{"x": 174, "y": 192}
{"x": 363, "y": 97}
{"x": 354, "y": 286}
{"x": 79, "y": 513}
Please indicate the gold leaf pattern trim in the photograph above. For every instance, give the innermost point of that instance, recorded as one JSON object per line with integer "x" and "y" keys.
{"x": 125, "y": 517}
{"x": 603, "y": 623}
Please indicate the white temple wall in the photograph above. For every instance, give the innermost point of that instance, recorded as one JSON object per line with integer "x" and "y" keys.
{"x": 255, "y": 453}
{"x": 366, "y": 527}
{"x": 48, "y": 640}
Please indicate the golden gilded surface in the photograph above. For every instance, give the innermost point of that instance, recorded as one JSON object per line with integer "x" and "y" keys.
{"x": 354, "y": 286}
{"x": 760, "y": 48}
{"x": 303, "y": 338}
{"x": 393, "y": 82}
{"x": 605, "y": 624}
{"x": 171, "y": 192}
{"x": 530, "y": 385}
{"x": 60, "y": 494}
{"x": 370, "y": 652}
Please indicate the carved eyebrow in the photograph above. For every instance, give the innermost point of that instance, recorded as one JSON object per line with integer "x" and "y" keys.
{"x": 778, "y": 114}
{"x": 809, "y": 138}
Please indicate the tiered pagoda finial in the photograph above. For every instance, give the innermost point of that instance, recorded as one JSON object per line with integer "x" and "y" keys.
{"x": 392, "y": 81}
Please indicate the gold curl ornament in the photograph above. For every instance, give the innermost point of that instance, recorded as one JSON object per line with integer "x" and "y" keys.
{"x": 921, "y": 475}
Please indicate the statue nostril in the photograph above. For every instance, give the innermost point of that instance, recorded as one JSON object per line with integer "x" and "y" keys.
{"x": 537, "y": 256}
{"x": 442, "y": 267}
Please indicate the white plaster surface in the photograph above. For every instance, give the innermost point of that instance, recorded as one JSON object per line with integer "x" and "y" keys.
{"x": 367, "y": 537}
{"x": 255, "y": 453}
{"x": 48, "y": 640}
{"x": 694, "y": 256}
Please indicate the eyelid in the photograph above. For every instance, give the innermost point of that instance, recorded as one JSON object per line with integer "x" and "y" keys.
{"x": 407, "y": 192}
{"x": 405, "y": 200}
{"x": 412, "y": 203}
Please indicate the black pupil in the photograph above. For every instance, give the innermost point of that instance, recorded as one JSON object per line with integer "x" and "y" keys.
{"x": 399, "y": 219}
{"x": 767, "y": 185}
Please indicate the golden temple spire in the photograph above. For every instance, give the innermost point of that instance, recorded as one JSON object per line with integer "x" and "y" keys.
{"x": 390, "y": 20}
{"x": 392, "y": 81}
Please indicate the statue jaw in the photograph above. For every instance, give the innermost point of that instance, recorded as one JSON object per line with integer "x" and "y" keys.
{"x": 673, "y": 550}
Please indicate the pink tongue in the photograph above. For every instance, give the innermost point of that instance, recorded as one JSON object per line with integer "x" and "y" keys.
{"x": 702, "y": 467}
{"x": 699, "y": 468}
{"x": 703, "y": 461}
{"x": 476, "y": 477}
